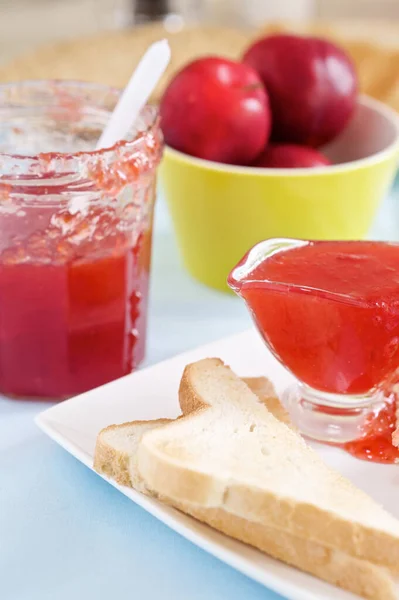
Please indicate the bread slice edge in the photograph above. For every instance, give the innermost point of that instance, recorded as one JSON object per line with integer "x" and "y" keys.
{"x": 173, "y": 478}
{"x": 355, "y": 575}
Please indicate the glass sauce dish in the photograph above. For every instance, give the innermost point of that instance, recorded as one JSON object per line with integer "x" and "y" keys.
{"x": 329, "y": 312}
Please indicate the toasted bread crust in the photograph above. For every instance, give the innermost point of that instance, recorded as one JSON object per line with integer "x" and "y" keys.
{"x": 114, "y": 463}
{"x": 355, "y": 575}
{"x": 352, "y": 574}
{"x": 334, "y": 566}
{"x": 178, "y": 482}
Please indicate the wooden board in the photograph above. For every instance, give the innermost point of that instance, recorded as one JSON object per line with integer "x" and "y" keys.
{"x": 110, "y": 57}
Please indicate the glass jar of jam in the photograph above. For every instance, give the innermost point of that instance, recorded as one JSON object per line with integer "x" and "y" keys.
{"x": 75, "y": 243}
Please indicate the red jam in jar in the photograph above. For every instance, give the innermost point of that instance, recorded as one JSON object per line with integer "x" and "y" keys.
{"x": 75, "y": 242}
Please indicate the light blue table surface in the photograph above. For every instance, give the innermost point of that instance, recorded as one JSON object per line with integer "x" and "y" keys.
{"x": 65, "y": 534}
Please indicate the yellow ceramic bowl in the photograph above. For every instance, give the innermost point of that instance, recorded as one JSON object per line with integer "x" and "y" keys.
{"x": 220, "y": 211}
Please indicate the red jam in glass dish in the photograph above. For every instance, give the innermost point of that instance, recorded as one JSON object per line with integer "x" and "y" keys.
{"x": 75, "y": 242}
{"x": 329, "y": 311}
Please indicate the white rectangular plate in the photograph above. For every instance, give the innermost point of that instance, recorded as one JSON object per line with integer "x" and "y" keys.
{"x": 151, "y": 394}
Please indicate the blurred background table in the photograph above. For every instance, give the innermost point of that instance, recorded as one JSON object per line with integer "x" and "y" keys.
{"x": 25, "y": 24}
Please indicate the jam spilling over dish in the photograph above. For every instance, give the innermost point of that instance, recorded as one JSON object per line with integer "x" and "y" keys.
{"x": 376, "y": 443}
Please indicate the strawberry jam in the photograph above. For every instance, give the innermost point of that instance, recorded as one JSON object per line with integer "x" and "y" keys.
{"x": 376, "y": 444}
{"x": 72, "y": 318}
{"x": 330, "y": 311}
{"x": 75, "y": 243}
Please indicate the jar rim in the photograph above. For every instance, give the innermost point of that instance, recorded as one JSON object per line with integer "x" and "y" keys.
{"x": 39, "y": 163}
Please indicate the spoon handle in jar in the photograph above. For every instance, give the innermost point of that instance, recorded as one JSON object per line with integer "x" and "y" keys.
{"x": 135, "y": 95}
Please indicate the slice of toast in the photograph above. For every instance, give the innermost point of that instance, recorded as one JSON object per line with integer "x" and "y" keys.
{"x": 231, "y": 453}
{"x": 116, "y": 456}
{"x": 116, "y": 449}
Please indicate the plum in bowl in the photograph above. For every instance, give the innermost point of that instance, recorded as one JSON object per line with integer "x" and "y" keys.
{"x": 220, "y": 210}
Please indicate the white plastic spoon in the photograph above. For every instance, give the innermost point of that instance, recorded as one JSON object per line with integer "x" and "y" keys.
{"x": 140, "y": 87}
{"x": 135, "y": 95}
